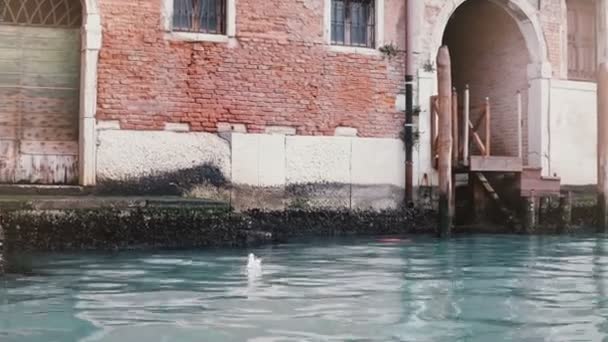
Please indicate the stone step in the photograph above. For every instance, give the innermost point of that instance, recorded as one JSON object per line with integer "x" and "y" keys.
{"x": 43, "y": 190}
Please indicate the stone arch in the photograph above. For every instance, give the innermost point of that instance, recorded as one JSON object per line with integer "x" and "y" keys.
{"x": 91, "y": 44}
{"x": 539, "y": 70}
{"x": 522, "y": 12}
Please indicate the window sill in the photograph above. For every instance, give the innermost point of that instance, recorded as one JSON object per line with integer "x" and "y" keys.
{"x": 198, "y": 37}
{"x": 354, "y": 49}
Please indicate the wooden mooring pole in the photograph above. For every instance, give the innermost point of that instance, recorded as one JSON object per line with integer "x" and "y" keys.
{"x": 602, "y": 147}
{"x": 455, "y": 131}
{"x": 519, "y": 125}
{"x": 444, "y": 148}
{"x": 465, "y": 135}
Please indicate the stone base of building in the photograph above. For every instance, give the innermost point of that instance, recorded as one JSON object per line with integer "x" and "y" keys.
{"x": 128, "y": 223}
{"x": 254, "y": 171}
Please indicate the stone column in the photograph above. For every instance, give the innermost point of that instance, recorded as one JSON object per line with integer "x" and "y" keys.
{"x": 91, "y": 44}
{"x": 539, "y": 76}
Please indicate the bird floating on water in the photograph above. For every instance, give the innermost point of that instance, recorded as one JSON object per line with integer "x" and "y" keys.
{"x": 254, "y": 264}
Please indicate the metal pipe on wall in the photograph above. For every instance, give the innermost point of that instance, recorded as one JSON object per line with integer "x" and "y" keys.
{"x": 413, "y": 17}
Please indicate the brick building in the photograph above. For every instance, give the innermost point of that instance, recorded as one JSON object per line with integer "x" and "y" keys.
{"x": 285, "y": 98}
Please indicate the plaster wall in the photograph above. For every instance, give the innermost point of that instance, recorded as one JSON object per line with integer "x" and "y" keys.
{"x": 573, "y": 132}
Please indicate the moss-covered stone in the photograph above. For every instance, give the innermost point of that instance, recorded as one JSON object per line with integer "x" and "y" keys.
{"x": 175, "y": 227}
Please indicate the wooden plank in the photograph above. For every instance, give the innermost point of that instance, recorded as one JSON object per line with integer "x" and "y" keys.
{"x": 56, "y": 148}
{"x": 465, "y": 143}
{"x": 50, "y": 101}
{"x": 508, "y": 215}
{"x": 480, "y": 118}
{"x": 70, "y": 55}
{"x": 50, "y": 120}
{"x": 7, "y": 161}
{"x": 495, "y": 164}
{"x": 11, "y": 53}
{"x": 9, "y": 118}
{"x": 455, "y": 130}
{"x": 434, "y": 137}
{"x": 8, "y": 132}
{"x": 9, "y": 79}
{"x": 47, "y": 80}
{"x": 477, "y": 140}
{"x": 60, "y": 67}
{"x": 45, "y": 169}
{"x": 519, "y": 125}
{"x": 51, "y": 33}
{"x": 49, "y": 133}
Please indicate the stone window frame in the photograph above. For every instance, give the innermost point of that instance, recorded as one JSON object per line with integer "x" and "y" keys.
{"x": 167, "y": 23}
{"x": 379, "y": 31}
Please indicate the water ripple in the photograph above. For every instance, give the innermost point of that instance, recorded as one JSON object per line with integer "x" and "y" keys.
{"x": 483, "y": 288}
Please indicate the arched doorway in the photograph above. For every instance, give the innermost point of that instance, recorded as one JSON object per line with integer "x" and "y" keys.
{"x": 48, "y": 62}
{"x": 498, "y": 47}
{"x": 489, "y": 54}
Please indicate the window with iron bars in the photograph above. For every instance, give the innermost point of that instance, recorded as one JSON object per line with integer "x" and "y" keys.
{"x": 199, "y": 16}
{"x": 353, "y": 23}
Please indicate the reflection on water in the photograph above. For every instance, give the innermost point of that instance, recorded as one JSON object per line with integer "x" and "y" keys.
{"x": 498, "y": 288}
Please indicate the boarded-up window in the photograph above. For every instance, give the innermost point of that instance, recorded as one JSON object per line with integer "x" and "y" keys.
{"x": 352, "y": 22}
{"x": 581, "y": 40}
{"x": 202, "y": 16}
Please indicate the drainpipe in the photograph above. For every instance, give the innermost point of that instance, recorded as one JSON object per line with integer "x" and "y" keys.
{"x": 413, "y": 16}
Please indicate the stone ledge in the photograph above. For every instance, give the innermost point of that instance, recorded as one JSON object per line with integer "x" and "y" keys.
{"x": 191, "y": 227}
{"x": 13, "y": 203}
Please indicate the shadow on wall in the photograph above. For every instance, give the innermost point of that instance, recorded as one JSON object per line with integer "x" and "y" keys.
{"x": 173, "y": 183}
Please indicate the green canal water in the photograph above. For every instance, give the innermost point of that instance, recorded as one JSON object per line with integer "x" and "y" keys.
{"x": 478, "y": 288}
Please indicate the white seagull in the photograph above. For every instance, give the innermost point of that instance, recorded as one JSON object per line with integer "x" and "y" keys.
{"x": 254, "y": 263}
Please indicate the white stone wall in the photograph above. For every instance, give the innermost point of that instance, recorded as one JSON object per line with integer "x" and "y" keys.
{"x": 350, "y": 171}
{"x": 126, "y": 154}
{"x": 573, "y": 132}
{"x": 275, "y": 160}
{"x": 266, "y": 170}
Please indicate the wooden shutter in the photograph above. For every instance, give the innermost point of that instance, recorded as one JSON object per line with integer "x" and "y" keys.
{"x": 581, "y": 40}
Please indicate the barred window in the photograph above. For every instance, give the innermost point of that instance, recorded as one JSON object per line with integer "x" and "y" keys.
{"x": 582, "y": 58}
{"x": 200, "y": 16}
{"x": 353, "y": 23}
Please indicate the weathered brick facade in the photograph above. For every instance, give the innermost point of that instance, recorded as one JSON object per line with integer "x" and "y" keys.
{"x": 278, "y": 71}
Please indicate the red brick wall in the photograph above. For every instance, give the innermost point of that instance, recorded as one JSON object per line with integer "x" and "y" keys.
{"x": 553, "y": 18}
{"x": 279, "y": 73}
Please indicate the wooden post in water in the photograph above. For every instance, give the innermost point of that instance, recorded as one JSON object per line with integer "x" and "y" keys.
{"x": 455, "y": 133}
{"x": 519, "y": 125}
{"x": 530, "y": 213}
{"x": 602, "y": 147}
{"x": 565, "y": 208}
{"x": 444, "y": 81}
{"x": 488, "y": 116}
{"x": 465, "y": 136}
